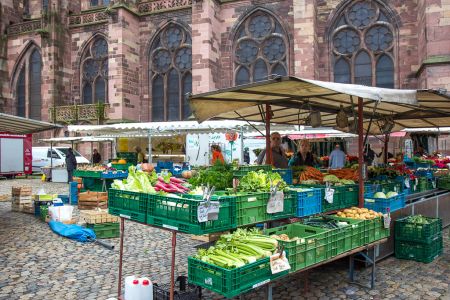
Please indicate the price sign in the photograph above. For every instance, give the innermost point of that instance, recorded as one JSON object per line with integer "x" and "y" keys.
{"x": 279, "y": 263}
{"x": 208, "y": 211}
{"x": 387, "y": 221}
{"x": 276, "y": 203}
{"x": 407, "y": 185}
{"x": 329, "y": 193}
{"x": 433, "y": 183}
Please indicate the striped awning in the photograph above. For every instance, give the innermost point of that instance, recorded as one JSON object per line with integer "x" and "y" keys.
{"x": 19, "y": 125}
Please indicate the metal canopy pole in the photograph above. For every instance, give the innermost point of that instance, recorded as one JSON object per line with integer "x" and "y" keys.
{"x": 172, "y": 266}
{"x": 122, "y": 232}
{"x": 361, "y": 168}
{"x": 386, "y": 145}
{"x": 149, "y": 147}
{"x": 242, "y": 146}
{"x": 92, "y": 155}
{"x": 268, "y": 148}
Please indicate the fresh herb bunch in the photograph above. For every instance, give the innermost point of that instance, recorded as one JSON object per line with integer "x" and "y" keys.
{"x": 219, "y": 175}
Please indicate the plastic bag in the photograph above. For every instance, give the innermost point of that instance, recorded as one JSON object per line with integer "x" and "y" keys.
{"x": 60, "y": 213}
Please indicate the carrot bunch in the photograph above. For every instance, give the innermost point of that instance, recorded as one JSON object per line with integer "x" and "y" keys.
{"x": 349, "y": 174}
{"x": 311, "y": 173}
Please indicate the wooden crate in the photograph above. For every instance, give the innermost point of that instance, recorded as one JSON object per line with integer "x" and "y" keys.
{"x": 21, "y": 191}
{"x": 21, "y": 199}
{"x": 5, "y": 198}
{"x": 92, "y": 200}
{"x": 26, "y": 208}
{"x": 97, "y": 217}
{"x": 212, "y": 237}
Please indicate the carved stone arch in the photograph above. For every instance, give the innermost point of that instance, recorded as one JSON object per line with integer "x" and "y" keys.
{"x": 261, "y": 32}
{"x": 29, "y": 47}
{"x": 171, "y": 59}
{"x": 363, "y": 25}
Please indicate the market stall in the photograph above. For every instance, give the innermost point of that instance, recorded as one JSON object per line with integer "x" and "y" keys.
{"x": 329, "y": 221}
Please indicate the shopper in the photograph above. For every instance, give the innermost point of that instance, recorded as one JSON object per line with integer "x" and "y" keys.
{"x": 303, "y": 157}
{"x": 217, "y": 155}
{"x": 140, "y": 155}
{"x": 369, "y": 155}
{"x": 337, "y": 158}
{"x": 71, "y": 164}
{"x": 279, "y": 159}
{"x": 96, "y": 157}
{"x": 247, "y": 155}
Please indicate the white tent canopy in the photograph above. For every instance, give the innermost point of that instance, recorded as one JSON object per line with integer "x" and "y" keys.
{"x": 174, "y": 128}
{"x": 76, "y": 139}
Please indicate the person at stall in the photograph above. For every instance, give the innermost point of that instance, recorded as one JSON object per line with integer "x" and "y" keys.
{"x": 380, "y": 156}
{"x": 420, "y": 151}
{"x": 146, "y": 156}
{"x": 369, "y": 155}
{"x": 71, "y": 164}
{"x": 303, "y": 157}
{"x": 140, "y": 155}
{"x": 279, "y": 159}
{"x": 247, "y": 155}
{"x": 96, "y": 157}
{"x": 217, "y": 155}
{"x": 337, "y": 158}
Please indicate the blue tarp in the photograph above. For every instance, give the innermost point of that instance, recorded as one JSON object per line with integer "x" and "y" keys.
{"x": 74, "y": 232}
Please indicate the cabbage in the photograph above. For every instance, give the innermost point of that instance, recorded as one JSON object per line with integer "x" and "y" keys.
{"x": 391, "y": 194}
{"x": 379, "y": 195}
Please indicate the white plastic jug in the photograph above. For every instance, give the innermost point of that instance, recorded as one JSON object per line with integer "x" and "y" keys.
{"x": 146, "y": 289}
{"x": 131, "y": 288}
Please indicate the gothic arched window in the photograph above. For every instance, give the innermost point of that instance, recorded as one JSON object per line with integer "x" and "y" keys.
{"x": 28, "y": 86}
{"x": 362, "y": 41}
{"x": 94, "y": 72}
{"x": 170, "y": 74}
{"x": 260, "y": 49}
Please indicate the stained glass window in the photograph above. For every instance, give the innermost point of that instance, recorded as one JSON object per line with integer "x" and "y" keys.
{"x": 99, "y": 2}
{"x": 363, "y": 45}
{"x": 170, "y": 71}
{"x": 94, "y": 72}
{"x": 260, "y": 49}
{"x": 28, "y": 85}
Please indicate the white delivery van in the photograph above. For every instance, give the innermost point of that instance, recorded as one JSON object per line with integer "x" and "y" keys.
{"x": 42, "y": 156}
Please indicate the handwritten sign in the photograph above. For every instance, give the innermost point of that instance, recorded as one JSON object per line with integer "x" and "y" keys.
{"x": 407, "y": 185}
{"x": 276, "y": 203}
{"x": 279, "y": 263}
{"x": 208, "y": 211}
{"x": 387, "y": 221}
{"x": 329, "y": 194}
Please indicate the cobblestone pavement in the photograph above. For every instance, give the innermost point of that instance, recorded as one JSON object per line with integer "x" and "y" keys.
{"x": 37, "y": 264}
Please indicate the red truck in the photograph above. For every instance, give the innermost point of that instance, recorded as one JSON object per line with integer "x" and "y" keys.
{"x": 15, "y": 154}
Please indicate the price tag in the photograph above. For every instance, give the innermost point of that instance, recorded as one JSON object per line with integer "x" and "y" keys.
{"x": 329, "y": 193}
{"x": 208, "y": 211}
{"x": 279, "y": 264}
{"x": 407, "y": 185}
{"x": 276, "y": 203}
{"x": 417, "y": 181}
{"x": 433, "y": 183}
{"x": 387, "y": 221}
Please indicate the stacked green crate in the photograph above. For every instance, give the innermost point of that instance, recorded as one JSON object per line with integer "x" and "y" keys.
{"x": 418, "y": 238}
{"x": 444, "y": 183}
{"x": 105, "y": 230}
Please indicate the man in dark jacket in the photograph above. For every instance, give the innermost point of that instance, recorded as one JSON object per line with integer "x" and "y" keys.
{"x": 71, "y": 164}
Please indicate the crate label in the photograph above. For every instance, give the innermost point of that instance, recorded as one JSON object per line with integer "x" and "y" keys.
{"x": 370, "y": 200}
{"x": 251, "y": 199}
{"x": 170, "y": 227}
{"x": 124, "y": 216}
{"x": 208, "y": 211}
{"x": 208, "y": 281}
{"x": 260, "y": 283}
{"x": 329, "y": 193}
{"x": 276, "y": 203}
{"x": 407, "y": 183}
{"x": 279, "y": 263}
{"x": 387, "y": 221}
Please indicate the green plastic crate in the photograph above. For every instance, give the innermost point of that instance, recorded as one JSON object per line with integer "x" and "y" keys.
{"x": 123, "y": 167}
{"x": 230, "y": 282}
{"x": 181, "y": 214}
{"x": 129, "y": 205}
{"x": 352, "y": 236}
{"x": 443, "y": 183}
{"x": 243, "y": 170}
{"x": 94, "y": 184}
{"x": 87, "y": 174}
{"x": 105, "y": 230}
{"x": 374, "y": 230}
{"x": 130, "y": 157}
{"x": 421, "y": 233}
{"x": 312, "y": 246}
{"x": 344, "y": 196}
{"x": 422, "y": 252}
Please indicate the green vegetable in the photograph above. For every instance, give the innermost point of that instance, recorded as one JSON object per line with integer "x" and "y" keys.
{"x": 380, "y": 195}
{"x": 260, "y": 182}
{"x": 331, "y": 178}
{"x": 418, "y": 219}
{"x": 219, "y": 175}
{"x": 137, "y": 181}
